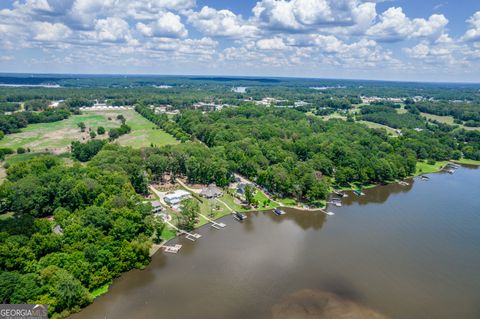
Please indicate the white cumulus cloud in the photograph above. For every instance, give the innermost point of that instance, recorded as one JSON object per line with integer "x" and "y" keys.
{"x": 394, "y": 25}
{"x": 221, "y": 23}
{"x": 296, "y": 15}
{"x": 167, "y": 25}
{"x": 473, "y": 34}
{"x": 46, "y": 31}
{"x": 271, "y": 44}
{"x": 112, "y": 30}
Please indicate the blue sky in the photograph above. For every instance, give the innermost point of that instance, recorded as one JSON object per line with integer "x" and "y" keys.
{"x": 426, "y": 40}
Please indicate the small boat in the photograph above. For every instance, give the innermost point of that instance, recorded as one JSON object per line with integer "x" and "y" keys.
{"x": 358, "y": 192}
{"x": 451, "y": 171}
{"x": 340, "y": 194}
{"x": 278, "y": 212}
{"x": 403, "y": 183}
{"x": 239, "y": 216}
{"x": 425, "y": 178}
{"x": 330, "y": 213}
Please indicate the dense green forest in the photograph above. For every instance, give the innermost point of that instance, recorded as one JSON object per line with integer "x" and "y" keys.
{"x": 9, "y": 107}
{"x": 387, "y": 115}
{"x": 102, "y": 230}
{"x": 292, "y": 154}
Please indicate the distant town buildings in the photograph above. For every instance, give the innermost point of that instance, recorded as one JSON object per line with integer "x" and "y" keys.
{"x": 208, "y": 107}
{"x": 239, "y": 89}
{"x": 373, "y": 99}
{"x": 301, "y": 103}
{"x": 268, "y": 101}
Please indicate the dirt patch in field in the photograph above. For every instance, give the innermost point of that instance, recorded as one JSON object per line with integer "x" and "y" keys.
{"x": 3, "y": 173}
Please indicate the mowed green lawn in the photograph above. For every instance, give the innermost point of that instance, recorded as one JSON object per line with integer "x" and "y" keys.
{"x": 144, "y": 133}
{"x": 59, "y": 135}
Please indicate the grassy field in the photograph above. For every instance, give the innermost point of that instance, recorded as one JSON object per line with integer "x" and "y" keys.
{"x": 6, "y": 216}
{"x": 334, "y": 116}
{"x": 390, "y": 130}
{"x": 57, "y": 136}
{"x": 229, "y": 200}
{"x": 424, "y": 167}
{"x": 402, "y": 109}
{"x": 262, "y": 198}
{"x": 101, "y": 290}
{"x": 442, "y": 119}
{"x": 448, "y": 120}
{"x": 287, "y": 201}
{"x": 213, "y": 209}
{"x": 467, "y": 161}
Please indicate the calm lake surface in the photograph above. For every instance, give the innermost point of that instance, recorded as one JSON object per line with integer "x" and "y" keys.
{"x": 400, "y": 251}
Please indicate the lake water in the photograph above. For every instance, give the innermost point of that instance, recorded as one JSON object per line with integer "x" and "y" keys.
{"x": 398, "y": 252}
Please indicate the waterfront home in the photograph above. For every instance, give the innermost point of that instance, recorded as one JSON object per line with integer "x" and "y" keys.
{"x": 156, "y": 207}
{"x": 212, "y": 191}
{"x": 241, "y": 187}
{"x": 176, "y": 197}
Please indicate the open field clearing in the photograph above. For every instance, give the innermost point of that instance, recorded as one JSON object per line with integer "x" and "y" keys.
{"x": 442, "y": 119}
{"x": 424, "y": 168}
{"x": 57, "y": 136}
{"x": 3, "y": 174}
{"x": 334, "y": 116}
{"x": 144, "y": 133}
{"x": 402, "y": 109}
{"x": 447, "y": 120}
{"x": 379, "y": 126}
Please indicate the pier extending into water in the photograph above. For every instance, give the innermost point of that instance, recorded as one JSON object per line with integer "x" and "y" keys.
{"x": 189, "y": 236}
{"x": 213, "y": 223}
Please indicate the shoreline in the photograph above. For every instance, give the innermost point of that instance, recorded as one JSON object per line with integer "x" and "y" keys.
{"x": 156, "y": 247}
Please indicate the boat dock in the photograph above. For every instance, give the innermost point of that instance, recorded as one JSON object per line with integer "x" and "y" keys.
{"x": 358, "y": 192}
{"x": 172, "y": 249}
{"x": 213, "y": 223}
{"x": 340, "y": 194}
{"x": 335, "y": 202}
{"x": 189, "y": 236}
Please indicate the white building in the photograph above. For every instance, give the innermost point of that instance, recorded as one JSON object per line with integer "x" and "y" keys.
{"x": 176, "y": 197}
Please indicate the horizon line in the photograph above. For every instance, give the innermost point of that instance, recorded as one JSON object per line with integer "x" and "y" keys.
{"x": 239, "y": 76}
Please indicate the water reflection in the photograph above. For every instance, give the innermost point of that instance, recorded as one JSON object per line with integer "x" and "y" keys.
{"x": 378, "y": 195}
{"x": 306, "y": 220}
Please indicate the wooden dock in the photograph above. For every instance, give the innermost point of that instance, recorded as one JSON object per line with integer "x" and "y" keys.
{"x": 189, "y": 236}
{"x": 172, "y": 249}
{"x": 213, "y": 223}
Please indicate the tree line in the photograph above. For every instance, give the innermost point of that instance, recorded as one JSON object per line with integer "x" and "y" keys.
{"x": 163, "y": 122}
{"x": 13, "y": 123}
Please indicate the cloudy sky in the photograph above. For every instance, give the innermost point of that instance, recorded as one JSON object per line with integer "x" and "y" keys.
{"x": 424, "y": 40}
